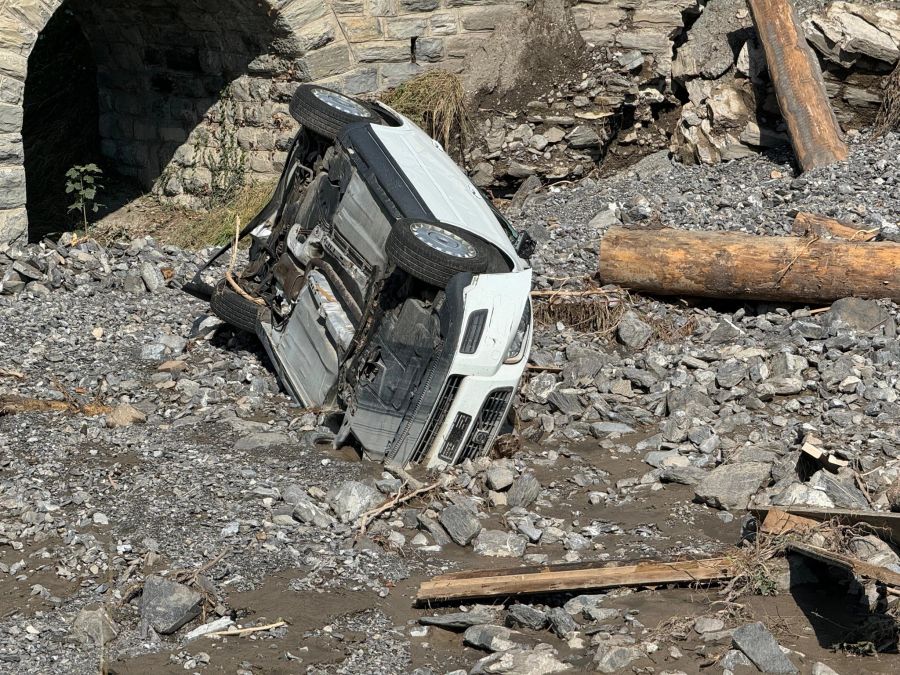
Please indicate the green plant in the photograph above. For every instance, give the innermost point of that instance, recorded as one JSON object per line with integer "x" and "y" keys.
{"x": 81, "y": 183}
{"x": 227, "y": 163}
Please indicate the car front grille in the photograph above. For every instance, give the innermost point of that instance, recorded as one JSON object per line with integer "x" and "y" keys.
{"x": 487, "y": 423}
{"x": 455, "y": 437}
{"x": 437, "y": 417}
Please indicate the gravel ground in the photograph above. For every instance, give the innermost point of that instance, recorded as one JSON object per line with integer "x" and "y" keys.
{"x": 651, "y": 440}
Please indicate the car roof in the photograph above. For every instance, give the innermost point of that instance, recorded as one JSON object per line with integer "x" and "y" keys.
{"x": 439, "y": 184}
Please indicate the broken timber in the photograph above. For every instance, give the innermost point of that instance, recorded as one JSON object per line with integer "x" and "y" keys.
{"x": 858, "y": 567}
{"x": 748, "y": 267}
{"x": 797, "y": 78}
{"x": 810, "y": 224}
{"x": 776, "y": 520}
{"x": 578, "y": 576}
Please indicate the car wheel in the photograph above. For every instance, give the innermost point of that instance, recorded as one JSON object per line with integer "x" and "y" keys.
{"x": 233, "y": 308}
{"x": 436, "y": 252}
{"x": 326, "y": 112}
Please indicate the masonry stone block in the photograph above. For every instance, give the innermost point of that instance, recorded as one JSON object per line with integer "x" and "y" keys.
{"x": 12, "y": 187}
{"x": 484, "y": 18}
{"x": 11, "y": 150}
{"x": 13, "y": 224}
{"x": 419, "y": 5}
{"x": 382, "y": 7}
{"x": 393, "y": 74}
{"x": 369, "y": 52}
{"x": 429, "y": 49}
{"x": 444, "y": 23}
{"x": 404, "y": 27}
{"x": 361, "y": 28}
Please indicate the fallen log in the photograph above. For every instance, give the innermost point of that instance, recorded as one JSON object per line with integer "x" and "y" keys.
{"x": 517, "y": 581}
{"x": 810, "y": 224}
{"x": 748, "y": 267}
{"x": 799, "y": 87}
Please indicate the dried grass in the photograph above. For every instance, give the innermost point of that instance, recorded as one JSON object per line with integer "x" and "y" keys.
{"x": 11, "y": 405}
{"x": 216, "y": 226}
{"x": 435, "y": 100}
{"x": 888, "y": 117}
{"x": 586, "y": 310}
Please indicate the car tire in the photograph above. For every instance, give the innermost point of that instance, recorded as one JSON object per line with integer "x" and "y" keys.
{"x": 233, "y": 308}
{"x": 411, "y": 253}
{"x": 326, "y": 112}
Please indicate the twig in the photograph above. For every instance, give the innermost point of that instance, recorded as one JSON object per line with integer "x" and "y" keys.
{"x": 394, "y": 501}
{"x": 12, "y": 373}
{"x": 544, "y": 369}
{"x": 564, "y": 294}
{"x": 247, "y": 631}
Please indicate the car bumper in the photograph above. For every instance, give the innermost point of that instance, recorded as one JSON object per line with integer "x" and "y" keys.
{"x": 480, "y": 386}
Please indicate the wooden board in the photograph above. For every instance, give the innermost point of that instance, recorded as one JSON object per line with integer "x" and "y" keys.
{"x": 799, "y": 87}
{"x": 778, "y": 522}
{"x": 576, "y": 577}
{"x": 886, "y": 524}
{"x": 750, "y": 267}
{"x": 863, "y": 569}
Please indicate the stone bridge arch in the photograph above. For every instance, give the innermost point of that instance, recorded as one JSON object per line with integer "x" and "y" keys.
{"x": 176, "y": 86}
{"x": 139, "y": 83}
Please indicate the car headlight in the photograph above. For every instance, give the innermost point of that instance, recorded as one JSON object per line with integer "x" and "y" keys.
{"x": 517, "y": 347}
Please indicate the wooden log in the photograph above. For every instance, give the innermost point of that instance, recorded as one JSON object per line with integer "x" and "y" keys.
{"x": 580, "y": 576}
{"x": 744, "y": 266}
{"x": 797, "y": 77}
{"x": 810, "y": 224}
{"x": 778, "y": 522}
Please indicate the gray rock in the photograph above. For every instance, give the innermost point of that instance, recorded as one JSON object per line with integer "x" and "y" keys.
{"x": 820, "y": 668}
{"x": 708, "y": 624}
{"x": 613, "y": 658}
{"x": 351, "y": 499}
{"x": 166, "y": 605}
{"x": 600, "y": 614}
{"x": 524, "y": 491}
{"x": 734, "y": 659}
{"x": 762, "y": 649}
{"x": 857, "y": 314}
{"x": 561, "y": 622}
{"x": 94, "y": 627}
{"x": 495, "y": 638}
{"x": 539, "y": 661}
{"x": 526, "y": 616}
{"x": 603, "y": 429}
{"x": 580, "y": 603}
{"x": 459, "y": 620}
{"x": 582, "y": 137}
{"x": 730, "y": 486}
{"x": 309, "y": 512}
{"x": 683, "y": 475}
{"x": 500, "y": 544}
{"x": 841, "y": 491}
{"x": 438, "y": 533}
{"x": 461, "y": 524}
{"x": 499, "y": 477}
{"x": 632, "y": 332}
{"x": 152, "y": 277}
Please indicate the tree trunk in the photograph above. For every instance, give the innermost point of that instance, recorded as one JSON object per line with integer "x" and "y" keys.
{"x": 797, "y": 78}
{"x": 744, "y": 266}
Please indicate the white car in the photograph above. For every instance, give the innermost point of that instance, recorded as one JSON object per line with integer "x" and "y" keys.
{"x": 383, "y": 284}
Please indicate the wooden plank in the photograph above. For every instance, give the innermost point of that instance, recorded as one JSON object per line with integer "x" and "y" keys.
{"x": 884, "y": 523}
{"x": 799, "y": 87}
{"x": 863, "y": 569}
{"x": 745, "y": 266}
{"x": 810, "y": 224}
{"x": 515, "y": 581}
{"x": 778, "y": 522}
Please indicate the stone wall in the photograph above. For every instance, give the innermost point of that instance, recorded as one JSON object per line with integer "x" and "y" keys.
{"x": 195, "y": 95}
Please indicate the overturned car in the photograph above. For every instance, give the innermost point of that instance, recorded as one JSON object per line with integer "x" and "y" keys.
{"x": 384, "y": 284}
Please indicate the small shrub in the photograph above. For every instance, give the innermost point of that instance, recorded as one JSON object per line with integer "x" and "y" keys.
{"x": 81, "y": 183}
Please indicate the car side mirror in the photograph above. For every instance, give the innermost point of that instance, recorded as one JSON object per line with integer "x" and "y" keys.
{"x": 526, "y": 246}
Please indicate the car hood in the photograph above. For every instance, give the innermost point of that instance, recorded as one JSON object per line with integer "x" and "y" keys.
{"x": 442, "y": 185}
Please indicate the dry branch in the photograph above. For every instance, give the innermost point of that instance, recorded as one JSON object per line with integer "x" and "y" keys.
{"x": 246, "y": 631}
{"x": 744, "y": 266}
{"x": 392, "y": 503}
{"x": 797, "y": 78}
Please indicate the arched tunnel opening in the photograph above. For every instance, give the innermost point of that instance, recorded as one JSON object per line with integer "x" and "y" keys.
{"x": 133, "y": 87}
